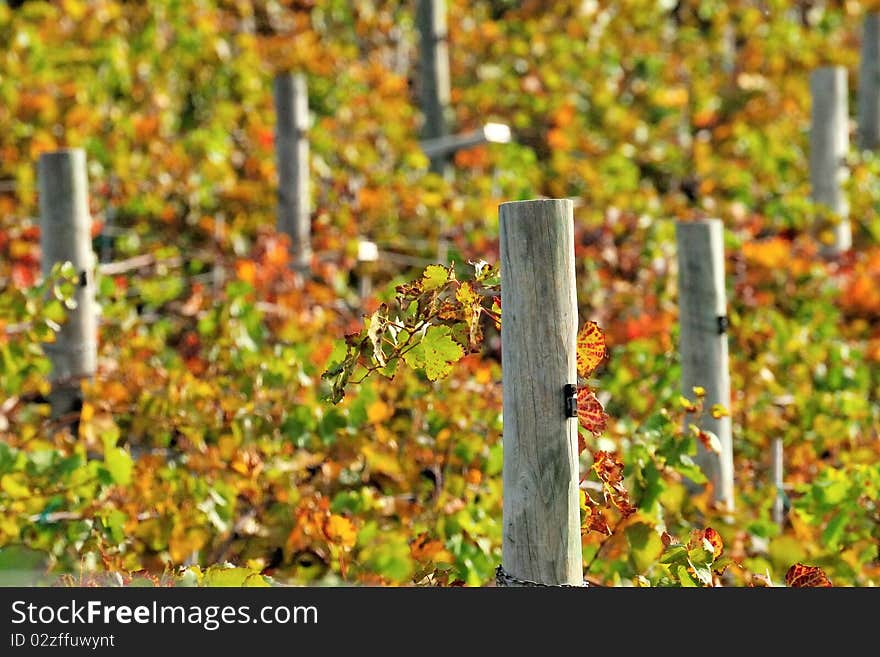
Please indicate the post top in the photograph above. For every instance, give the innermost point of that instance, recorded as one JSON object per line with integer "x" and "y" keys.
{"x": 707, "y": 221}
{"x": 538, "y": 201}
{"x": 828, "y": 70}
{"x": 63, "y": 153}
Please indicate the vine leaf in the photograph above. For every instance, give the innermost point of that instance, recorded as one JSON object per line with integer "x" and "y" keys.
{"x": 435, "y": 277}
{"x": 609, "y": 469}
{"x": 591, "y": 414}
{"x": 591, "y": 348}
{"x": 435, "y": 352}
{"x": 801, "y": 576}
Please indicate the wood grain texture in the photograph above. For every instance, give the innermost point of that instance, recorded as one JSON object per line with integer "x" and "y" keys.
{"x": 542, "y": 538}
{"x": 829, "y": 143}
{"x": 869, "y": 84}
{"x": 703, "y": 347}
{"x": 65, "y": 235}
{"x": 434, "y": 81}
{"x": 292, "y": 153}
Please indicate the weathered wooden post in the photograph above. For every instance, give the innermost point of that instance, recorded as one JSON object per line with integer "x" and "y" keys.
{"x": 541, "y": 525}
{"x": 367, "y": 256}
{"x": 829, "y": 143}
{"x": 702, "y": 303}
{"x": 869, "y": 84}
{"x": 778, "y": 473}
{"x": 292, "y": 150}
{"x": 65, "y": 235}
{"x": 434, "y": 84}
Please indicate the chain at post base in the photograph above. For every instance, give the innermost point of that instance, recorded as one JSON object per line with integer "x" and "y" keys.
{"x": 505, "y": 579}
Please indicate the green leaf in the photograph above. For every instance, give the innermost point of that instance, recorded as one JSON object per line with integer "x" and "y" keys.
{"x": 674, "y": 554}
{"x": 434, "y": 353}
{"x": 21, "y": 565}
{"x": 685, "y": 579}
{"x": 332, "y": 421}
{"x": 119, "y": 465}
{"x": 217, "y": 576}
{"x": 703, "y": 573}
{"x": 435, "y": 276}
{"x": 645, "y": 545}
{"x": 833, "y": 531}
{"x": 114, "y": 522}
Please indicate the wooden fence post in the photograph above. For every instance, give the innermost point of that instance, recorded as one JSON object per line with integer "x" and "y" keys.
{"x": 542, "y": 532}
{"x": 869, "y": 84}
{"x": 703, "y": 342}
{"x": 778, "y": 473}
{"x": 65, "y": 235}
{"x": 434, "y": 84}
{"x": 292, "y": 149}
{"x": 829, "y": 143}
{"x": 367, "y": 256}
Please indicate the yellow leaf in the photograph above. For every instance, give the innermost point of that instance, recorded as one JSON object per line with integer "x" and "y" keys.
{"x": 718, "y": 411}
{"x": 340, "y": 530}
{"x": 12, "y": 487}
{"x": 378, "y": 412}
{"x": 591, "y": 348}
{"x": 87, "y": 412}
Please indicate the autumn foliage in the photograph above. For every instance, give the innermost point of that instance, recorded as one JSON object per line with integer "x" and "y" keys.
{"x": 251, "y": 424}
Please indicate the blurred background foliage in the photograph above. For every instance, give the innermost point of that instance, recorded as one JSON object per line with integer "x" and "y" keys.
{"x": 204, "y": 438}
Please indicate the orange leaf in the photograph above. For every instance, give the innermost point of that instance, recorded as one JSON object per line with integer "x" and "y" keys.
{"x": 341, "y": 530}
{"x": 246, "y": 270}
{"x": 801, "y": 576}
{"x": 595, "y": 520}
{"x": 591, "y": 415}
{"x": 424, "y": 548}
{"x": 609, "y": 469}
{"x": 590, "y": 348}
{"x": 709, "y": 535}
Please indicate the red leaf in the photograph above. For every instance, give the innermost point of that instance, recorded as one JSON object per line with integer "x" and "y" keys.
{"x": 801, "y": 576}
{"x": 590, "y": 348}
{"x": 595, "y": 520}
{"x": 23, "y": 276}
{"x": 710, "y": 535}
{"x": 591, "y": 415}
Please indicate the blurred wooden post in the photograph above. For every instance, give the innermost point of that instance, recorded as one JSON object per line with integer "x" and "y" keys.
{"x": 869, "y": 84}
{"x": 541, "y": 525}
{"x": 292, "y": 149}
{"x": 65, "y": 235}
{"x": 368, "y": 255}
{"x": 702, "y": 304}
{"x": 829, "y": 143}
{"x": 434, "y": 81}
{"x": 778, "y": 472}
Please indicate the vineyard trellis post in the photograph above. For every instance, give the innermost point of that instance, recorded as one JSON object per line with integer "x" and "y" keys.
{"x": 434, "y": 81}
{"x": 541, "y": 513}
{"x": 367, "y": 256}
{"x": 869, "y": 84}
{"x": 65, "y": 236}
{"x": 292, "y": 150}
{"x": 829, "y": 143}
{"x": 778, "y": 473}
{"x": 702, "y": 302}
